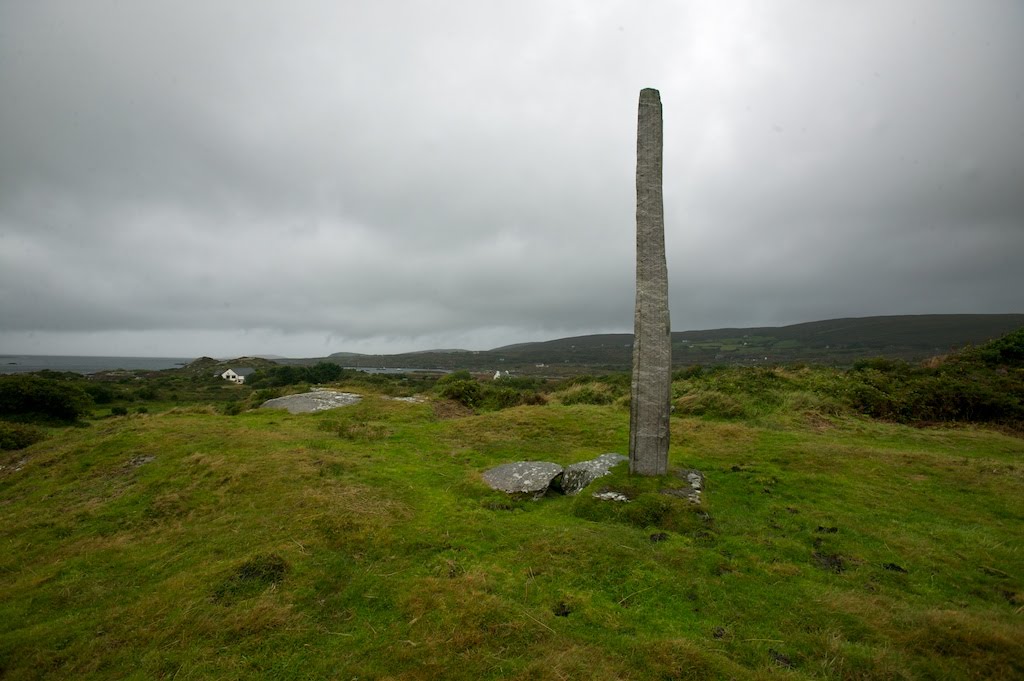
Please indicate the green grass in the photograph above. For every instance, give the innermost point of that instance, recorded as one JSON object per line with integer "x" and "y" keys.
{"x": 362, "y": 543}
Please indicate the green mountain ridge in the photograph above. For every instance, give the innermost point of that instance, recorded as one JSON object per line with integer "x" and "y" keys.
{"x": 833, "y": 341}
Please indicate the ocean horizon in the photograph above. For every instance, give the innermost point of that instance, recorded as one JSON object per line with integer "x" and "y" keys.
{"x": 86, "y": 364}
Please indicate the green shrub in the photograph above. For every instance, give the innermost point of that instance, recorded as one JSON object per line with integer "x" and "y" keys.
{"x": 100, "y": 394}
{"x": 501, "y": 397}
{"x": 280, "y": 376}
{"x": 455, "y": 377}
{"x": 977, "y": 384}
{"x": 324, "y": 372}
{"x": 1005, "y": 351}
{"x": 522, "y": 383}
{"x": 18, "y": 435}
{"x": 710, "y": 403}
{"x": 147, "y": 392}
{"x": 588, "y": 393}
{"x": 466, "y": 392}
{"x": 806, "y": 401}
{"x": 694, "y": 371}
{"x": 32, "y": 396}
{"x": 232, "y": 408}
{"x": 264, "y": 394}
{"x": 119, "y": 411}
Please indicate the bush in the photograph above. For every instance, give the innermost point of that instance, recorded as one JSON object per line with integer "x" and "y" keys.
{"x": 693, "y": 371}
{"x": 502, "y": 398}
{"x": 99, "y": 393}
{"x": 232, "y": 408}
{"x": 32, "y": 396}
{"x": 280, "y": 376}
{"x": 466, "y": 392}
{"x": 454, "y": 377}
{"x": 977, "y": 384}
{"x": 1005, "y": 351}
{"x": 324, "y": 372}
{"x": 588, "y": 393}
{"x": 119, "y": 411}
{"x": 710, "y": 403}
{"x": 503, "y": 393}
{"x": 264, "y": 394}
{"x": 146, "y": 393}
{"x": 18, "y": 435}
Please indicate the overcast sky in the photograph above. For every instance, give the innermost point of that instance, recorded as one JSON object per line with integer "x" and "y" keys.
{"x": 189, "y": 178}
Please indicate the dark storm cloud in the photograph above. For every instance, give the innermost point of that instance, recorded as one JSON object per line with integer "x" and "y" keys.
{"x": 275, "y": 177}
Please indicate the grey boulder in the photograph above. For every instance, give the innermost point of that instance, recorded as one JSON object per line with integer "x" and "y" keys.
{"x": 579, "y": 475}
{"x": 523, "y": 477}
{"x": 315, "y": 400}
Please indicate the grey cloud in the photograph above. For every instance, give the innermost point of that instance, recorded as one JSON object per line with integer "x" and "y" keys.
{"x": 403, "y": 173}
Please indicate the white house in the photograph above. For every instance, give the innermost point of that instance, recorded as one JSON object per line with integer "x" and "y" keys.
{"x": 237, "y": 375}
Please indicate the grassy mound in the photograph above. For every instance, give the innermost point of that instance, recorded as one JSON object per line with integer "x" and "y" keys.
{"x": 361, "y": 542}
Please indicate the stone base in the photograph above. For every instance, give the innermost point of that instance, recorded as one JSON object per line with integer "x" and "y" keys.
{"x": 693, "y": 487}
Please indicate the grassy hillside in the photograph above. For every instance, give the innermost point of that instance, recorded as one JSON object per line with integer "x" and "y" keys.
{"x": 361, "y": 543}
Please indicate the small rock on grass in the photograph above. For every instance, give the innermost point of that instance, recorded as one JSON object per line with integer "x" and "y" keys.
{"x": 611, "y": 496}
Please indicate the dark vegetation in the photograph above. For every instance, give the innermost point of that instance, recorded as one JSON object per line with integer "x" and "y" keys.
{"x": 46, "y": 396}
{"x": 19, "y": 435}
{"x": 502, "y": 393}
{"x": 983, "y": 384}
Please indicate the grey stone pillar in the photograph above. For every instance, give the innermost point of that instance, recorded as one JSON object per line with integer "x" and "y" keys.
{"x": 652, "y": 333}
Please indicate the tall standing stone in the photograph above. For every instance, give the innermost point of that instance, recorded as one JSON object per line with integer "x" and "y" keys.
{"x": 652, "y": 333}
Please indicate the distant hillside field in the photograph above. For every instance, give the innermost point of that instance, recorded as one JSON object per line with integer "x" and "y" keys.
{"x": 838, "y": 342}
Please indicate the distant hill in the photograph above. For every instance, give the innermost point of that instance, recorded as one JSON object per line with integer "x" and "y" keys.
{"x": 832, "y": 341}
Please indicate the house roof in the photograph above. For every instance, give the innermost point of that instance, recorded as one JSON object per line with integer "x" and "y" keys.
{"x": 240, "y": 371}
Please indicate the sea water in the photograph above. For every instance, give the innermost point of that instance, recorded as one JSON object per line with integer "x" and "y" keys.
{"x": 16, "y": 364}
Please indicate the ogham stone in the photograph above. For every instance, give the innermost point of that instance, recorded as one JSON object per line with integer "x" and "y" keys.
{"x": 652, "y": 339}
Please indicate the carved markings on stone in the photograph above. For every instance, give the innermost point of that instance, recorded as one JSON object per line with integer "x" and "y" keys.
{"x": 652, "y": 333}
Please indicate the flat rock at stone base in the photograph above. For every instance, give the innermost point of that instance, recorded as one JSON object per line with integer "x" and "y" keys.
{"x": 523, "y": 477}
{"x": 316, "y": 400}
{"x": 691, "y": 489}
{"x": 579, "y": 475}
{"x": 611, "y": 496}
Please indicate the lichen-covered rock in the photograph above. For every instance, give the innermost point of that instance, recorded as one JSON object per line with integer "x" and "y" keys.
{"x": 523, "y": 477}
{"x": 316, "y": 400}
{"x": 579, "y": 475}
